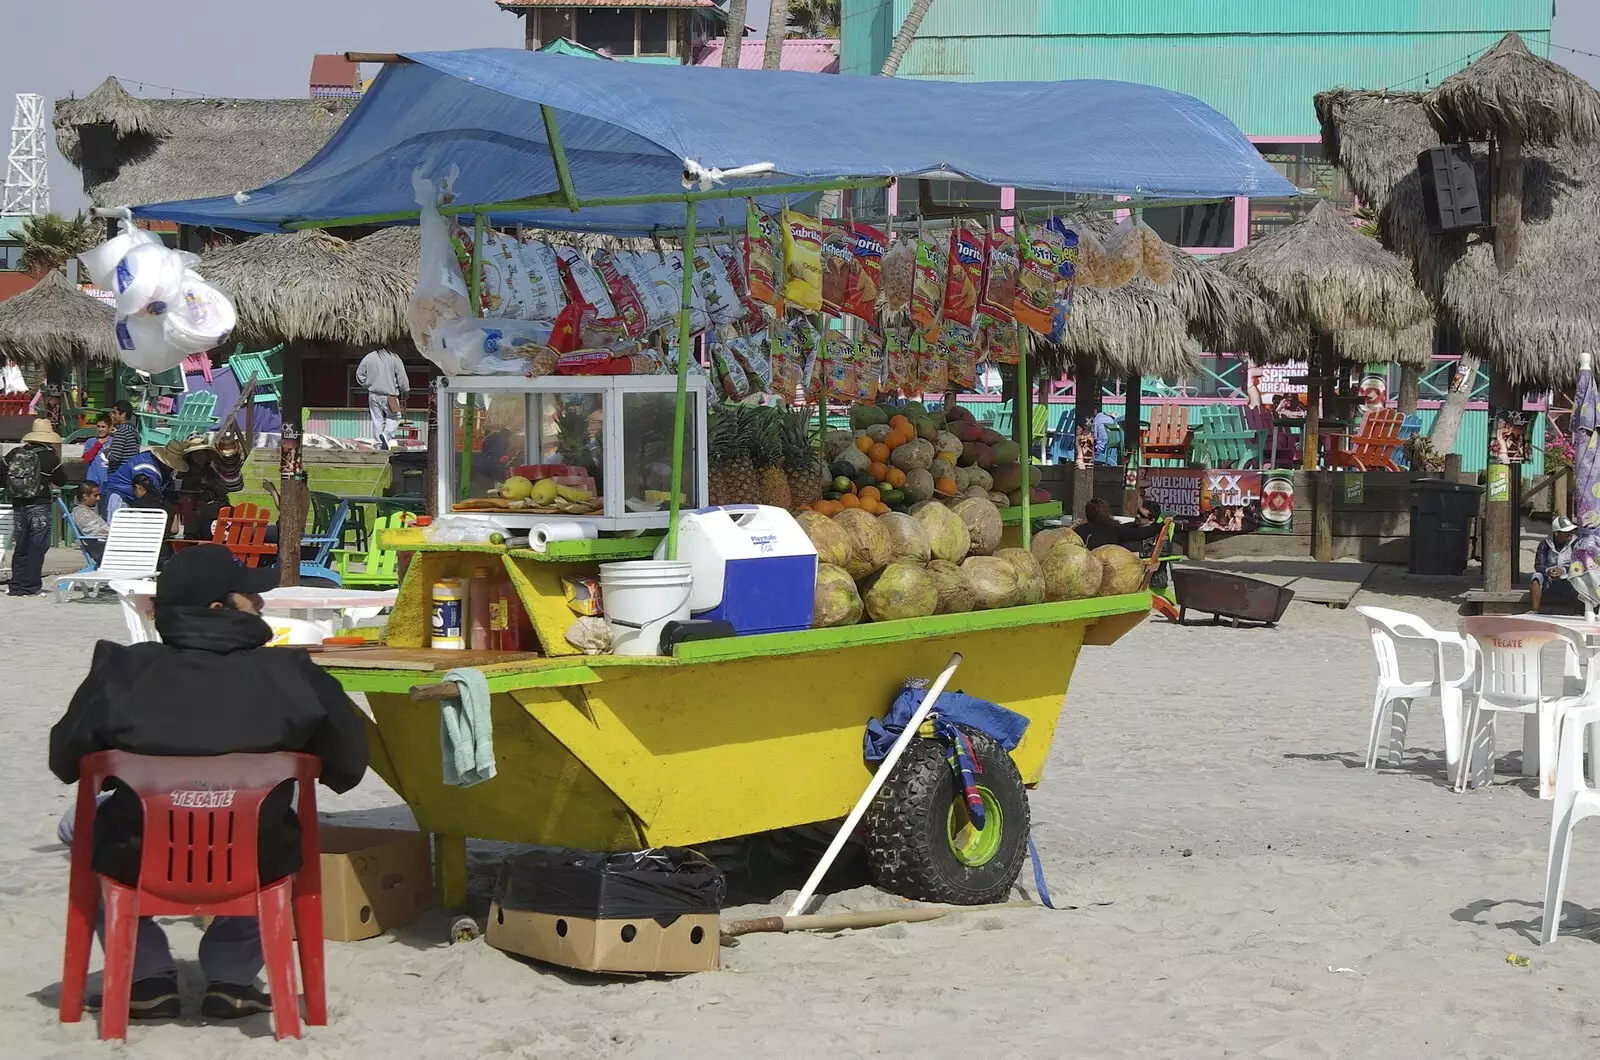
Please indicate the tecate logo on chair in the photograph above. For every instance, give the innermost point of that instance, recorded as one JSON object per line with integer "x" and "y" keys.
{"x": 203, "y": 800}
{"x": 1507, "y": 642}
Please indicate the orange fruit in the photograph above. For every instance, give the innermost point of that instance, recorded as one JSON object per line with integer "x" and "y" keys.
{"x": 897, "y": 422}
{"x": 879, "y": 453}
{"x": 849, "y": 500}
{"x": 895, "y": 477}
{"x": 864, "y": 443}
{"x": 869, "y": 493}
{"x": 945, "y": 485}
{"x": 879, "y": 472}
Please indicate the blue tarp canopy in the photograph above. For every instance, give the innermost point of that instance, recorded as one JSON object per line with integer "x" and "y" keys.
{"x": 631, "y": 128}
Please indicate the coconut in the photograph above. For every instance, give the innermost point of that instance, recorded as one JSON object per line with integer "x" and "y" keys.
{"x": 837, "y": 603}
{"x": 982, "y": 519}
{"x": 977, "y": 476}
{"x": 1071, "y": 572}
{"x": 1045, "y": 540}
{"x": 907, "y": 540}
{"x": 955, "y": 595}
{"x": 878, "y": 431}
{"x": 913, "y": 455}
{"x": 869, "y": 542}
{"x": 941, "y": 468}
{"x": 1030, "y": 579}
{"x": 993, "y": 581}
{"x": 836, "y": 442}
{"x": 947, "y": 534}
{"x": 902, "y": 590}
{"x": 827, "y": 537}
{"x": 855, "y": 458}
{"x": 1124, "y": 571}
{"x": 1005, "y": 500}
{"x": 919, "y": 485}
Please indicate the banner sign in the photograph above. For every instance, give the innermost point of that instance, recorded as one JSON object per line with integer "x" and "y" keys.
{"x": 1208, "y": 498}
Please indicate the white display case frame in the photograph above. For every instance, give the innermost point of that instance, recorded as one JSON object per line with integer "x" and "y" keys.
{"x": 614, "y": 515}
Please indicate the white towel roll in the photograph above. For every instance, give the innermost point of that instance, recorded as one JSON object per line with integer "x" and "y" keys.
{"x": 540, "y": 536}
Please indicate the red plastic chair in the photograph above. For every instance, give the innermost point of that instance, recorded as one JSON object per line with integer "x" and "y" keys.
{"x": 201, "y": 817}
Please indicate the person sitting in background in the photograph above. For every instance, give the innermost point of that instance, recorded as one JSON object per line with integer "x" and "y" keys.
{"x": 209, "y": 687}
{"x": 86, "y": 520}
{"x": 1550, "y": 563}
{"x": 1099, "y": 528}
{"x": 157, "y": 465}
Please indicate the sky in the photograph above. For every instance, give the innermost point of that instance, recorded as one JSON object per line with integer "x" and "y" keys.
{"x": 232, "y": 48}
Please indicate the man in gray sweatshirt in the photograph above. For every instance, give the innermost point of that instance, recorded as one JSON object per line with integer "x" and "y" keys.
{"x": 383, "y": 375}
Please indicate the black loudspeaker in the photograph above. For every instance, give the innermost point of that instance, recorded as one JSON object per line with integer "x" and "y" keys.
{"x": 1450, "y": 189}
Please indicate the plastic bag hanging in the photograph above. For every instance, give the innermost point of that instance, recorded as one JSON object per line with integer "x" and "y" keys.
{"x": 1124, "y": 254}
{"x": 1157, "y": 256}
{"x": 166, "y": 311}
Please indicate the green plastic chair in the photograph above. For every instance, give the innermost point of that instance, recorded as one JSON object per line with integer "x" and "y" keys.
{"x": 374, "y": 567}
{"x": 193, "y": 417}
{"x": 1002, "y": 421}
{"x": 1224, "y": 440}
{"x": 253, "y": 367}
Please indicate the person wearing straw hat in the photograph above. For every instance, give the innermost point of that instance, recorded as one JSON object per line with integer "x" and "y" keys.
{"x": 27, "y": 474}
{"x": 1550, "y": 565}
{"x": 156, "y": 464}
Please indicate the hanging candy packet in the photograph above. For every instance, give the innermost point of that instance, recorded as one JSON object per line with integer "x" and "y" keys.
{"x": 967, "y": 248}
{"x": 899, "y": 368}
{"x": 625, "y": 296}
{"x": 838, "y": 260}
{"x": 802, "y": 261}
{"x": 999, "y": 276}
{"x": 840, "y": 357}
{"x": 763, "y": 256}
{"x": 582, "y": 283}
{"x": 733, "y": 261}
{"x": 932, "y": 372}
{"x": 785, "y": 357}
{"x": 1034, "y": 307}
{"x": 958, "y": 345}
{"x": 899, "y": 276}
{"x": 711, "y": 284}
{"x": 869, "y": 365}
{"x": 927, "y": 289}
{"x": 998, "y": 342}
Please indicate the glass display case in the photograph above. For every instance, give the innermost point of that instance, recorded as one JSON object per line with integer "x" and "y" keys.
{"x": 591, "y": 448}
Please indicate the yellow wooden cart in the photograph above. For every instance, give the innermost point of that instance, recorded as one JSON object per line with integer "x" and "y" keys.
{"x": 724, "y": 738}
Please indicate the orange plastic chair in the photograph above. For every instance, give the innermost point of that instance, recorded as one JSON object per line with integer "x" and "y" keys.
{"x": 1372, "y": 448}
{"x": 242, "y": 531}
{"x": 1168, "y": 437}
{"x": 201, "y": 819}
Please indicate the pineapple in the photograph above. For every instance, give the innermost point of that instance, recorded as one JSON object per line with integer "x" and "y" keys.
{"x": 802, "y": 467}
{"x": 572, "y": 438}
{"x": 767, "y": 453}
{"x": 731, "y": 477}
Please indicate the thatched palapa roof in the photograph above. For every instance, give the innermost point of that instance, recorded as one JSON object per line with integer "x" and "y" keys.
{"x": 1508, "y": 87}
{"x": 1328, "y": 278}
{"x": 311, "y": 288}
{"x": 142, "y": 151}
{"x": 1530, "y": 323}
{"x": 55, "y": 323}
{"x": 400, "y": 246}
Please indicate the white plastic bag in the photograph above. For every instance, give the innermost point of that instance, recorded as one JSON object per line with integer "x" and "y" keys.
{"x": 149, "y": 278}
{"x": 1158, "y": 261}
{"x": 440, "y": 296}
{"x": 1124, "y": 254}
{"x": 142, "y": 344}
{"x": 491, "y": 346}
{"x": 101, "y": 262}
{"x": 201, "y": 318}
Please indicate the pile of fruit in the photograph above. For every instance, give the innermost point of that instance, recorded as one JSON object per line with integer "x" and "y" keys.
{"x": 935, "y": 559}
{"x": 544, "y": 497}
{"x": 896, "y": 456}
{"x": 760, "y": 454}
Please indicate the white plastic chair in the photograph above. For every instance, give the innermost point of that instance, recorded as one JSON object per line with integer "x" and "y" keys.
{"x": 8, "y": 534}
{"x": 1395, "y": 694}
{"x": 1575, "y": 799}
{"x": 1510, "y": 678}
{"x": 133, "y": 548}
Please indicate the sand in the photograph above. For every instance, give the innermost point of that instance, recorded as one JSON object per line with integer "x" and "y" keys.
{"x": 1241, "y": 887}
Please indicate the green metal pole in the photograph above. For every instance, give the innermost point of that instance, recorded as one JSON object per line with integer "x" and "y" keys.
{"x": 679, "y": 412}
{"x": 558, "y": 155}
{"x": 474, "y": 282}
{"x": 1024, "y": 414}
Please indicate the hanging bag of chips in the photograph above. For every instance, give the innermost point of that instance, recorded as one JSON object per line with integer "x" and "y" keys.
{"x": 965, "y": 273}
{"x": 1124, "y": 254}
{"x": 899, "y": 276}
{"x": 927, "y": 289}
{"x": 1158, "y": 261}
{"x": 1035, "y": 304}
{"x": 763, "y": 256}
{"x": 802, "y": 261}
{"x": 999, "y": 276}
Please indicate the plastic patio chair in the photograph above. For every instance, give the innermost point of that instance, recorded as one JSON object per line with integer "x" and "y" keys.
{"x": 133, "y": 548}
{"x": 193, "y": 417}
{"x": 77, "y": 539}
{"x": 1224, "y": 440}
{"x": 253, "y": 367}
{"x": 373, "y": 567}
{"x": 329, "y": 514}
{"x": 1575, "y": 799}
{"x": 1168, "y": 437}
{"x": 1510, "y": 678}
{"x": 1372, "y": 447}
{"x": 201, "y": 817}
{"x": 1395, "y": 694}
{"x": 1063, "y": 436}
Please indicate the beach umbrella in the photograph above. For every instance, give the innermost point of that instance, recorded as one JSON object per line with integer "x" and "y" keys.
{"x": 1585, "y": 573}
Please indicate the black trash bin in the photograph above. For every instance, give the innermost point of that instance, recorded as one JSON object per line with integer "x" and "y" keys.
{"x": 1441, "y": 515}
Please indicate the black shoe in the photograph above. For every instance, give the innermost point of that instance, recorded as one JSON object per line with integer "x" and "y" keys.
{"x": 150, "y": 999}
{"x": 225, "y": 1001}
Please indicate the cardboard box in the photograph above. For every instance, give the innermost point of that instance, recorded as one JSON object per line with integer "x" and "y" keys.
{"x": 689, "y": 943}
{"x": 373, "y": 880}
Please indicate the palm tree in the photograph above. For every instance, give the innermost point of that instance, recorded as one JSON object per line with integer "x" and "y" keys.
{"x": 903, "y": 39}
{"x": 49, "y": 240}
{"x": 777, "y": 29}
{"x": 814, "y": 18}
{"x": 733, "y": 39}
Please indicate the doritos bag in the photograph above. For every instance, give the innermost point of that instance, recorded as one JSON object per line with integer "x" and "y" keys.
{"x": 964, "y": 274}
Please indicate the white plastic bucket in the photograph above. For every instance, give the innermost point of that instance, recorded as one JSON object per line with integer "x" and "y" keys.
{"x": 640, "y": 597}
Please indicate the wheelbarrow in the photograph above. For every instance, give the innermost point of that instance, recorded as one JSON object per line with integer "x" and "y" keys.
{"x": 1231, "y": 596}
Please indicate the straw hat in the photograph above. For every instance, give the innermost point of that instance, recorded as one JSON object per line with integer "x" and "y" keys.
{"x": 42, "y": 432}
{"x": 171, "y": 455}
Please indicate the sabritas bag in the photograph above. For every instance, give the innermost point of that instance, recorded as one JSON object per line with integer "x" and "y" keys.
{"x": 999, "y": 276}
{"x": 964, "y": 274}
{"x": 802, "y": 261}
{"x": 1035, "y": 304}
{"x": 763, "y": 257}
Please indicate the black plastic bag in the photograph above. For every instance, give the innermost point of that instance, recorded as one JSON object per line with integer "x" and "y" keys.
{"x": 666, "y": 882}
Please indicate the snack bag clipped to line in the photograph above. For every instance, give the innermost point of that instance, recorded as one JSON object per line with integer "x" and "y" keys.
{"x": 838, "y": 259}
{"x": 899, "y": 367}
{"x": 763, "y": 256}
{"x": 1124, "y": 254}
{"x": 753, "y": 359}
{"x": 899, "y": 276}
{"x": 1067, "y": 270}
{"x": 999, "y": 276}
{"x": 582, "y": 282}
{"x": 958, "y": 346}
{"x": 840, "y": 370}
{"x": 730, "y": 374}
{"x": 927, "y": 289}
{"x": 802, "y": 261}
{"x": 733, "y": 261}
{"x": 1034, "y": 308}
{"x": 787, "y": 360}
{"x": 809, "y": 340}
{"x": 711, "y": 283}
{"x": 932, "y": 372}
{"x": 967, "y": 246}
{"x": 624, "y": 295}
{"x": 869, "y": 365}
{"x": 998, "y": 341}
{"x": 546, "y": 297}
{"x": 863, "y": 264}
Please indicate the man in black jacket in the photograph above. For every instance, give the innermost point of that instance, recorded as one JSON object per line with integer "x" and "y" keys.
{"x": 210, "y": 688}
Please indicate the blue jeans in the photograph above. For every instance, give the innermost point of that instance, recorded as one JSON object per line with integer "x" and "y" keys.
{"x": 230, "y": 950}
{"x": 32, "y": 529}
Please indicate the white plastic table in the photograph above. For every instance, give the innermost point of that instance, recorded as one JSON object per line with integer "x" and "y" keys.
{"x": 332, "y": 609}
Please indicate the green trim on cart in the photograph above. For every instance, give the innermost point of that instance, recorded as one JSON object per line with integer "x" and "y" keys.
{"x": 588, "y": 550}
{"x": 400, "y": 681}
{"x": 1013, "y": 516}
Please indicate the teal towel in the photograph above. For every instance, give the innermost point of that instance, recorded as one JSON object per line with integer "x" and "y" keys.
{"x": 466, "y": 733}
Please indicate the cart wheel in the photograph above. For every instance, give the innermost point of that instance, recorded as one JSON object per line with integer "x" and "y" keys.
{"x": 920, "y": 843}
{"x": 464, "y": 929}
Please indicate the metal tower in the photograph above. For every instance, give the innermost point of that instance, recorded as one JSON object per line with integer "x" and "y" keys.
{"x": 27, "y": 191}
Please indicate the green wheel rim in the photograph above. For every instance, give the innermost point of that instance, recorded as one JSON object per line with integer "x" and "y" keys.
{"x": 972, "y": 847}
